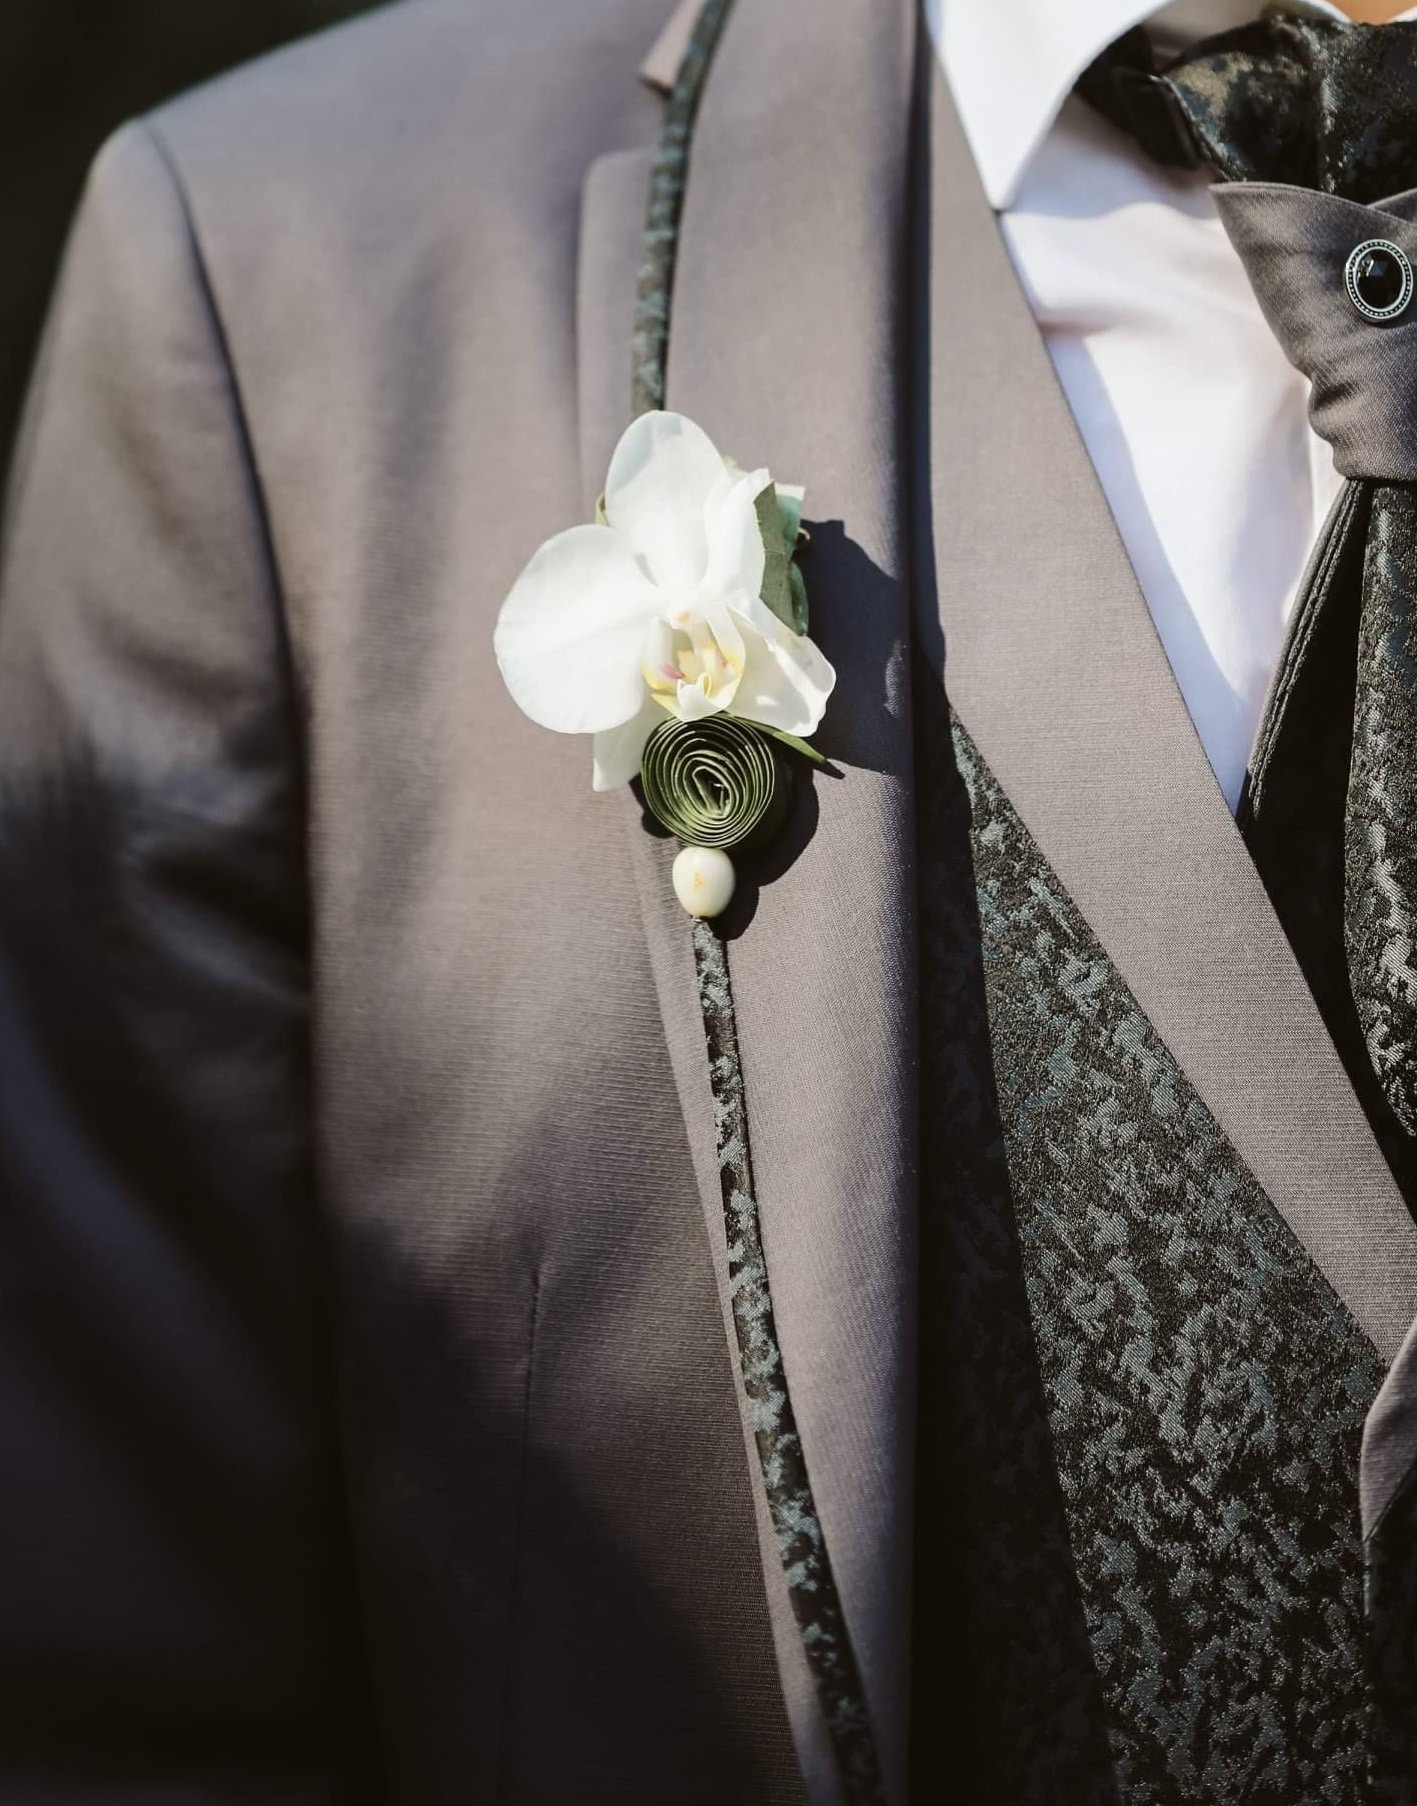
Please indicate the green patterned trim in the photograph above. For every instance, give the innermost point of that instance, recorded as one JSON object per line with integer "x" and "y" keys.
{"x": 800, "y": 1541}
{"x": 660, "y": 245}
{"x": 801, "y": 1544}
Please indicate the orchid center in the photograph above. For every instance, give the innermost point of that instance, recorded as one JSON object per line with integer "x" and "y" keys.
{"x": 691, "y": 664}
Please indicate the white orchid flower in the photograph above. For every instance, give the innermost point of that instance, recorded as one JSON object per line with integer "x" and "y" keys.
{"x": 658, "y": 611}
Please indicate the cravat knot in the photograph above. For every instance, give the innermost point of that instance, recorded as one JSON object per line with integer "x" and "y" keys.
{"x": 1312, "y": 122}
{"x": 1322, "y": 103}
{"x": 1298, "y": 248}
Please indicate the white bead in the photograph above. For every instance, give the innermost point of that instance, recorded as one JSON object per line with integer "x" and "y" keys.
{"x": 703, "y": 880}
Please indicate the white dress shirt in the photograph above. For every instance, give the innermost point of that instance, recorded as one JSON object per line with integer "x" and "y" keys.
{"x": 1195, "y": 421}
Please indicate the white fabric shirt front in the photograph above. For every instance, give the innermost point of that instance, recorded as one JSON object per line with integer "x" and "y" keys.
{"x": 1195, "y": 421}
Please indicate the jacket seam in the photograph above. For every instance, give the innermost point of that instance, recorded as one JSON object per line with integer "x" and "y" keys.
{"x": 287, "y": 677}
{"x": 240, "y": 414}
{"x": 501, "y": 1781}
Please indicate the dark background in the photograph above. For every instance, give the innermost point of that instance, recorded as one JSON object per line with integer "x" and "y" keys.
{"x": 70, "y": 72}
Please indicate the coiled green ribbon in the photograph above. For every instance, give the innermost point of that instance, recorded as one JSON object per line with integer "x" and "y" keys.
{"x": 716, "y": 782}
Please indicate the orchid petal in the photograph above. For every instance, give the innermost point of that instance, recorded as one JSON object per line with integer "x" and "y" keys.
{"x": 718, "y": 618}
{"x": 569, "y": 635}
{"x": 786, "y": 681}
{"x": 617, "y": 751}
{"x": 658, "y": 658}
{"x": 736, "y": 558}
{"x": 694, "y": 704}
{"x": 661, "y": 477}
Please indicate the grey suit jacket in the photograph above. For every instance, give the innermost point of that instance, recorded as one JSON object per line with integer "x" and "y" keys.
{"x": 371, "y": 1425}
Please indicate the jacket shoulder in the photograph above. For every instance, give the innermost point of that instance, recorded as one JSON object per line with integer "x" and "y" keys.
{"x": 478, "y": 95}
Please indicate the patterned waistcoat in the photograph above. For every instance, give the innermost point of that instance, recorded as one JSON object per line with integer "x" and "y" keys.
{"x": 1141, "y": 1575}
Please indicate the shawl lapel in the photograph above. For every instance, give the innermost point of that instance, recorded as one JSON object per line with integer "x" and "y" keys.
{"x": 785, "y": 347}
{"x": 1056, "y": 670}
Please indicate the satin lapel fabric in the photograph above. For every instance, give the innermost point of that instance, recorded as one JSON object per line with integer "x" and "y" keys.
{"x": 786, "y": 346}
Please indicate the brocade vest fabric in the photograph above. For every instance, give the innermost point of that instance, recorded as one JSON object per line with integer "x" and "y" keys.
{"x": 1140, "y": 1573}
{"x": 1141, "y": 1403}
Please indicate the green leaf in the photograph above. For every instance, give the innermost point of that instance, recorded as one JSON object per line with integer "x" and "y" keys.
{"x": 715, "y": 783}
{"x": 797, "y": 583}
{"x": 790, "y": 497}
{"x": 777, "y": 585}
{"x": 798, "y": 746}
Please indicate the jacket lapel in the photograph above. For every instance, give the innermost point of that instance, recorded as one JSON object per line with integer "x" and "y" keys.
{"x": 785, "y": 347}
{"x": 1053, "y": 665}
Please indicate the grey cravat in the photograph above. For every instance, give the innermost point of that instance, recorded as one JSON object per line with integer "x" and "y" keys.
{"x": 1312, "y": 123}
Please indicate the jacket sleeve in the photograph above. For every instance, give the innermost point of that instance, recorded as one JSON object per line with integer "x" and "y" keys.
{"x": 171, "y": 1617}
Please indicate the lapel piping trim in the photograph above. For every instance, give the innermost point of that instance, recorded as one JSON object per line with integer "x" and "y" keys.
{"x": 796, "y": 1524}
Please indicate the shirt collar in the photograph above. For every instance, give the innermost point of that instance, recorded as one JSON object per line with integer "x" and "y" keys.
{"x": 1012, "y": 63}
